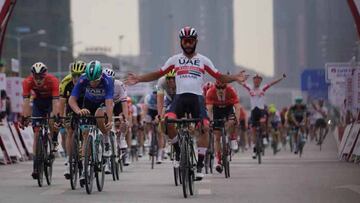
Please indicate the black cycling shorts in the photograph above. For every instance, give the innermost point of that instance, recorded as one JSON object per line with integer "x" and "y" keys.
{"x": 320, "y": 123}
{"x": 256, "y": 115}
{"x": 91, "y": 106}
{"x": 188, "y": 103}
{"x": 222, "y": 113}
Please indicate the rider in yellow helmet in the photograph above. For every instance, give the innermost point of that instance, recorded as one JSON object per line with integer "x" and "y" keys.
{"x": 67, "y": 84}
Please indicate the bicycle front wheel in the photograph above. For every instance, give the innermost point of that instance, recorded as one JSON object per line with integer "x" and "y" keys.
{"x": 49, "y": 159}
{"x": 100, "y": 164}
{"x": 89, "y": 165}
{"x": 40, "y": 160}
{"x": 258, "y": 148}
{"x": 184, "y": 168}
{"x": 74, "y": 162}
{"x": 114, "y": 166}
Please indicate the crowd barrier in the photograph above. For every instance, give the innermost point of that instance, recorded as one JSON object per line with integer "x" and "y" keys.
{"x": 349, "y": 143}
{"x": 16, "y": 144}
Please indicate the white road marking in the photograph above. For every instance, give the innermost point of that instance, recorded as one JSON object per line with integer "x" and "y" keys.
{"x": 53, "y": 191}
{"x": 204, "y": 191}
{"x": 354, "y": 188}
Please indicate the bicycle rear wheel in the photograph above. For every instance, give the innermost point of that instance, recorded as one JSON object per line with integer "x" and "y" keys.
{"x": 40, "y": 160}
{"x": 74, "y": 162}
{"x": 89, "y": 165}
{"x": 184, "y": 167}
{"x": 191, "y": 169}
{"x": 100, "y": 164}
{"x": 176, "y": 176}
{"x": 224, "y": 153}
{"x": 48, "y": 160}
{"x": 258, "y": 148}
{"x": 114, "y": 166}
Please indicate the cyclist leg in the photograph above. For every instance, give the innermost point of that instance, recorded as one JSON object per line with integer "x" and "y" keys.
{"x": 85, "y": 134}
{"x": 40, "y": 108}
{"x": 197, "y": 109}
{"x": 68, "y": 146}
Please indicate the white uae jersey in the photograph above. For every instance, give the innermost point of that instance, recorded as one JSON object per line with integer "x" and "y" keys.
{"x": 257, "y": 95}
{"x": 190, "y": 72}
{"x": 120, "y": 93}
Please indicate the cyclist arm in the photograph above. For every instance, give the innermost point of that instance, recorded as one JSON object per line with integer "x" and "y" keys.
{"x": 109, "y": 106}
{"x": 26, "y": 107}
{"x": 210, "y": 111}
{"x": 240, "y": 77}
{"x": 62, "y": 105}
{"x": 225, "y": 78}
{"x": 274, "y": 82}
{"x": 292, "y": 119}
{"x": 160, "y": 103}
{"x": 55, "y": 96}
{"x": 26, "y": 94}
{"x": 125, "y": 109}
{"x": 73, "y": 104}
{"x": 55, "y": 106}
{"x": 237, "y": 107}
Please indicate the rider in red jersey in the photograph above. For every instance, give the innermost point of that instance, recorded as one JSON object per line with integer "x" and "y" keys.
{"x": 45, "y": 102}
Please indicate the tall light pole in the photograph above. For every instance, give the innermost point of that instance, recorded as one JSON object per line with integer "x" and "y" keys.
{"x": 58, "y": 49}
{"x": 121, "y": 37}
{"x": 19, "y": 38}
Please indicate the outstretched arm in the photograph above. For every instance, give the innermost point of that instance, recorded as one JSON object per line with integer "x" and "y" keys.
{"x": 133, "y": 79}
{"x": 277, "y": 81}
{"x": 240, "y": 77}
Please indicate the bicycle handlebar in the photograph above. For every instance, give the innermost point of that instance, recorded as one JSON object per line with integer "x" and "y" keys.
{"x": 183, "y": 120}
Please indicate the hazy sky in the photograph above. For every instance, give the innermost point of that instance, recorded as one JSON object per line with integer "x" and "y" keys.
{"x": 100, "y": 24}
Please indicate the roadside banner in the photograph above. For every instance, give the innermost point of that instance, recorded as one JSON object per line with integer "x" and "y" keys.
{"x": 17, "y": 139}
{"x": 27, "y": 136}
{"x": 14, "y": 91}
{"x": 344, "y": 139}
{"x": 351, "y": 140}
{"x": 9, "y": 143}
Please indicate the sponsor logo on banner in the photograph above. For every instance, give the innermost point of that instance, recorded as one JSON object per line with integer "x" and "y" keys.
{"x": 356, "y": 89}
{"x": 338, "y": 74}
{"x": 14, "y": 91}
{"x": 333, "y": 71}
{"x": 357, "y": 148}
{"x": 15, "y": 65}
{"x": 2, "y": 81}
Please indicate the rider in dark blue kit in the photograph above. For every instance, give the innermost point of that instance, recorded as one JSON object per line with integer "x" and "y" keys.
{"x": 98, "y": 101}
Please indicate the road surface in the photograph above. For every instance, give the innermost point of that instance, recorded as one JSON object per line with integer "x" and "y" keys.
{"x": 316, "y": 177}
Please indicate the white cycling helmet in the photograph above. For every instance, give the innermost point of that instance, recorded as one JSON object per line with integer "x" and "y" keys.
{"x": 109, "y": 72}
{"x": 38, "y": 68}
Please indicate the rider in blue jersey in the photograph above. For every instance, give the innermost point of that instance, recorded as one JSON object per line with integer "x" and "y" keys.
{"x": 98, "y": 101}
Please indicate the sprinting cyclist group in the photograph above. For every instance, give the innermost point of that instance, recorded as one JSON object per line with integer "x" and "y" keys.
{"x": 90, "y": 89}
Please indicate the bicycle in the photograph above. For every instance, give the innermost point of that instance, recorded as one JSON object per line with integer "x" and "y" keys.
{"x": 94, "y": 159}
{"x": 177, "y": 176}
{"x": 225, "y": 147}
{"x": 209, "y": 156}
{"x": 300, "y": 140}
{"x": 187, "y": 153}
{"x": 44, "y": 157}
{"x": 322, "y": 131}
{"x": 259, "y": 145}
{"x": 74, "y": 156}
{"x": 153, "y": 152}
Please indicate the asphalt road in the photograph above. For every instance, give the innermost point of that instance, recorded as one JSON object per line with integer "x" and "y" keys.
{"x": 316, "y": 177}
